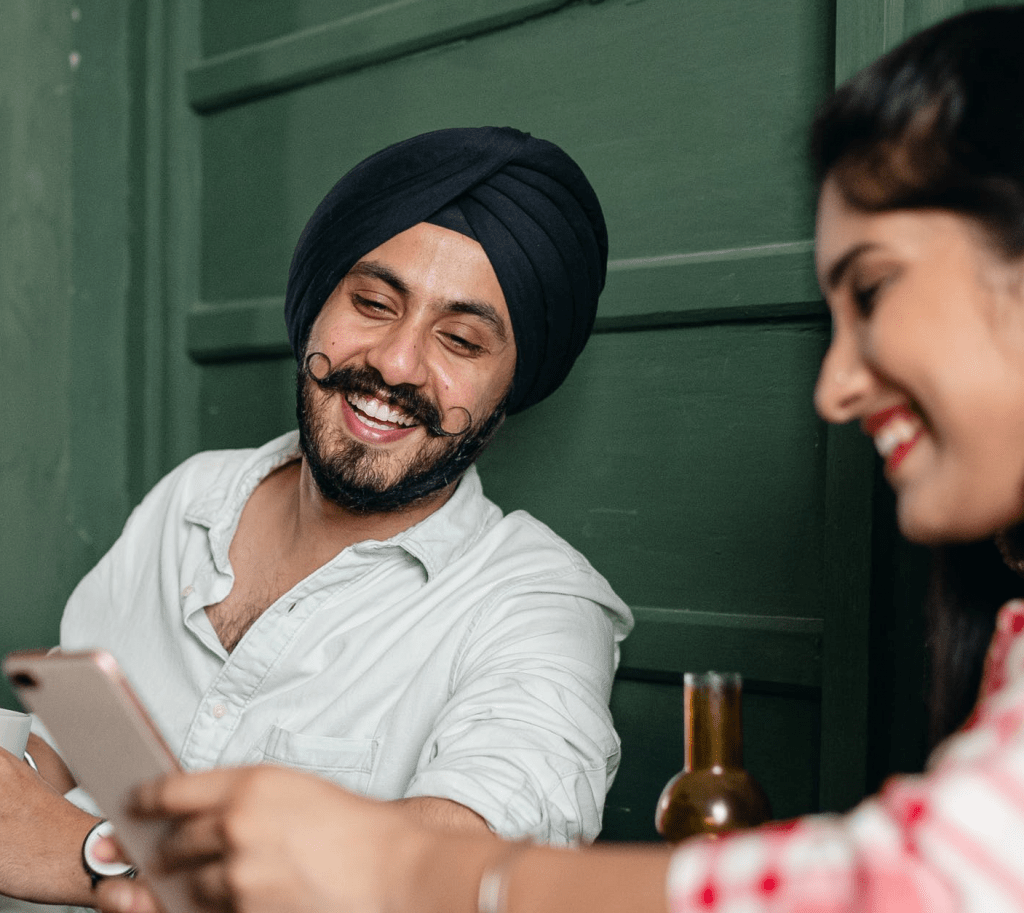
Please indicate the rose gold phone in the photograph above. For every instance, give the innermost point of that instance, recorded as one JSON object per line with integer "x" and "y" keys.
{"x": 107, "y": 740}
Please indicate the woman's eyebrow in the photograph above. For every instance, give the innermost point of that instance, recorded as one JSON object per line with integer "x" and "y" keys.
{"x": 838, "y": 270}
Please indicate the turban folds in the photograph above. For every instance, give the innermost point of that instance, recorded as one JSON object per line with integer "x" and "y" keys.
{"x": 523, "y": 199}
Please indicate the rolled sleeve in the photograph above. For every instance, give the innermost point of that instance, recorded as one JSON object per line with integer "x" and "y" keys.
{"x": 526, "y": 739}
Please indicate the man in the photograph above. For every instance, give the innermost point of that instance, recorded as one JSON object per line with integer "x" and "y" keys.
{"x": 344, "y": 599}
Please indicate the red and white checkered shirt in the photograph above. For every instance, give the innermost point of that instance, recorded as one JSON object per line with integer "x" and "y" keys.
{"x": 951, "y": 839}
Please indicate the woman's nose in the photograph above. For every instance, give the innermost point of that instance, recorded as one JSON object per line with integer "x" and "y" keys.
{"x": 843, "y": 383}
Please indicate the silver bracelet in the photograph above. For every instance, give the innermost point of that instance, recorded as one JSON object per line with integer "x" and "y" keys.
{"x": 492, "y": 897}
{"x": 30, "y": 761}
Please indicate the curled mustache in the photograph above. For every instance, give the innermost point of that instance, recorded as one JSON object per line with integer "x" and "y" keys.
{"x": 368, "y": 381}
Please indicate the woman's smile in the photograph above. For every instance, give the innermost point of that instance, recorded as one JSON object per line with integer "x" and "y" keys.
{"x": 895, "y": 431}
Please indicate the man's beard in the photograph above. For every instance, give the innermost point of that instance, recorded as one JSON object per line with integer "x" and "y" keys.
{"x": 355, "y": 476}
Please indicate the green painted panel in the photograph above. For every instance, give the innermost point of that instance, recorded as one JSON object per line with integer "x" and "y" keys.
{"x": 768, "y": 280}
{"x": 847, "y": 583}
{"x": 897, "y": 732}
{"x": 237, "y": 329}
{"x": 686, "y": 464}
{"x": 777, "y": 649}
{"x": 228, "y": 25}
{"x": 867, "y": 28}
{"x": 246, "y": 403}
{"x": 664, "y": 103}
{"x": 923, "y": 13}
{"x": 35, "y": 323}
{"x": 63, "y": 304}
{"x": 780, "y": 749}
{"x": 370, "y": 36}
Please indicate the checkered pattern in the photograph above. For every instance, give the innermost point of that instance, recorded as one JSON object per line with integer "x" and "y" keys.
{"x": 951, "y": 839}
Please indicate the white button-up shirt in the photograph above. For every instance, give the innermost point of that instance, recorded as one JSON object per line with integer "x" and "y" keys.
{"x": 470, "y": 657}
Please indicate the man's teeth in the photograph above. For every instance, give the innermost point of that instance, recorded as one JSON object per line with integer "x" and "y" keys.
{"x": 896, "y": 432}
{"x": 374, "y": 408}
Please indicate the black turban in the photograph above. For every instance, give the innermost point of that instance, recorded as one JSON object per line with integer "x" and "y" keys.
{"x": 523, "y": 199}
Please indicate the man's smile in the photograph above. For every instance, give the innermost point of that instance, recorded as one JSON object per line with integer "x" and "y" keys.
{"x": 370, "y": 408}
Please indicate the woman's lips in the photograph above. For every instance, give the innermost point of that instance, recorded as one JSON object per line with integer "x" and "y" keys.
{"x": 895, "y": 431}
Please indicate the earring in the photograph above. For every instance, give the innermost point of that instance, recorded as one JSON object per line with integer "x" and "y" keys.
{"x": 1010, "y": 543}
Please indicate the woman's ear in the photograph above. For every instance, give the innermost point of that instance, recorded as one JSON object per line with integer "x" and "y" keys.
{"x": 1005, "y": 277}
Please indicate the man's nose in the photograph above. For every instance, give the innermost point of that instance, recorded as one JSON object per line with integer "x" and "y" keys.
{"x": 399, "y": 354}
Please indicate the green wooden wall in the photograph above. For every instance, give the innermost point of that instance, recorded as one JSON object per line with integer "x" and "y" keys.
{"x": 67, "y": 300}
{"x": 159, "y": 160}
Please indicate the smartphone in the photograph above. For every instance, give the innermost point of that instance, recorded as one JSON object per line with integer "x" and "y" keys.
{"x": 108, "y": 741}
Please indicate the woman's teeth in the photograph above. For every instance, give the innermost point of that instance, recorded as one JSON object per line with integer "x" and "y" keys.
{"x": 896, "y": 432}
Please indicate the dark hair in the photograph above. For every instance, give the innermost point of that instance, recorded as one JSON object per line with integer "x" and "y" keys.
{"x": 968, "y": 585}
{"x": 936, "y": 123}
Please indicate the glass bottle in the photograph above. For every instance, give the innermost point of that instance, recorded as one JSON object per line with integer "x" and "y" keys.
{"x": 712, "y": 794}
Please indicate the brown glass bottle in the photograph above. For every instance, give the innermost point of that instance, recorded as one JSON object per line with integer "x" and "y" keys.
{"x": 712, "y": 794}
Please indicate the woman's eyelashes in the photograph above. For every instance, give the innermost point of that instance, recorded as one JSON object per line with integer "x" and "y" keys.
{"x": 864, "y": 297}
{"x": 866, "y": 290}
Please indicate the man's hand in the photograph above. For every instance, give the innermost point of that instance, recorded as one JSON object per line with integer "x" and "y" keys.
{"x": 41, "y": 836}
{"x": 271, "y": 840}
{"x": 51, "y": 765}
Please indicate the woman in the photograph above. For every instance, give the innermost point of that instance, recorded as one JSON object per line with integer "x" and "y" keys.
{"x": 920, "y": 254}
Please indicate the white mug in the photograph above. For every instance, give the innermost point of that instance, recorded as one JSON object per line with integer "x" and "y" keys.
{"x": 14, "y": 730}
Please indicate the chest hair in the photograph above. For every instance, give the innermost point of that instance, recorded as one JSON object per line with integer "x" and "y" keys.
{"x": 254, "y": 592}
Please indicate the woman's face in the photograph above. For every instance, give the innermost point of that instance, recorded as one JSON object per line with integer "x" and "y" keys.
{"x": 928, "y": 354}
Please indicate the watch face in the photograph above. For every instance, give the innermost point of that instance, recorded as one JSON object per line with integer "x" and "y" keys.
{"x": 95, "y": 866}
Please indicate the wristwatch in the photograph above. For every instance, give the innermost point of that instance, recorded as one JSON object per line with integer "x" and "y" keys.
{"x": 94, "y": 868}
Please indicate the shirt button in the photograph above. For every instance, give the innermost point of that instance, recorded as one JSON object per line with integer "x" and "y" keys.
{"x": 219, "y": 710}
{"x": 187, "y": 591}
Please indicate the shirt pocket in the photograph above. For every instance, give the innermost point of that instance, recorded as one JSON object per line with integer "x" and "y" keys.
{"x": 348, "y": 762}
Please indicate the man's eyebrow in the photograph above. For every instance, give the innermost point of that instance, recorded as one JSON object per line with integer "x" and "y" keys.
{"x": 373, "y": 269}
{"x": 486, "y": 312}
{"x": 838, "y": 269}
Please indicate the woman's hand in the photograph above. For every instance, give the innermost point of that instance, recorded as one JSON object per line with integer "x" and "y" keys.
{"x": 272, "y": 840}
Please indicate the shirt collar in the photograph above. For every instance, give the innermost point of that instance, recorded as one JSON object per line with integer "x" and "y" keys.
{"x": 449, "y": 532}
{"x": 435, "y": 541}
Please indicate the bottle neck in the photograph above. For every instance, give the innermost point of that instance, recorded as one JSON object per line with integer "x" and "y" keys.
{"x": 712, "y": 720}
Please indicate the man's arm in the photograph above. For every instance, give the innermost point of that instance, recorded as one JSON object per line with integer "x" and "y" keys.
{"x": 526, "y": 738}
{"x": 41, "y": 836}
{"x": 443, "y": 814}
